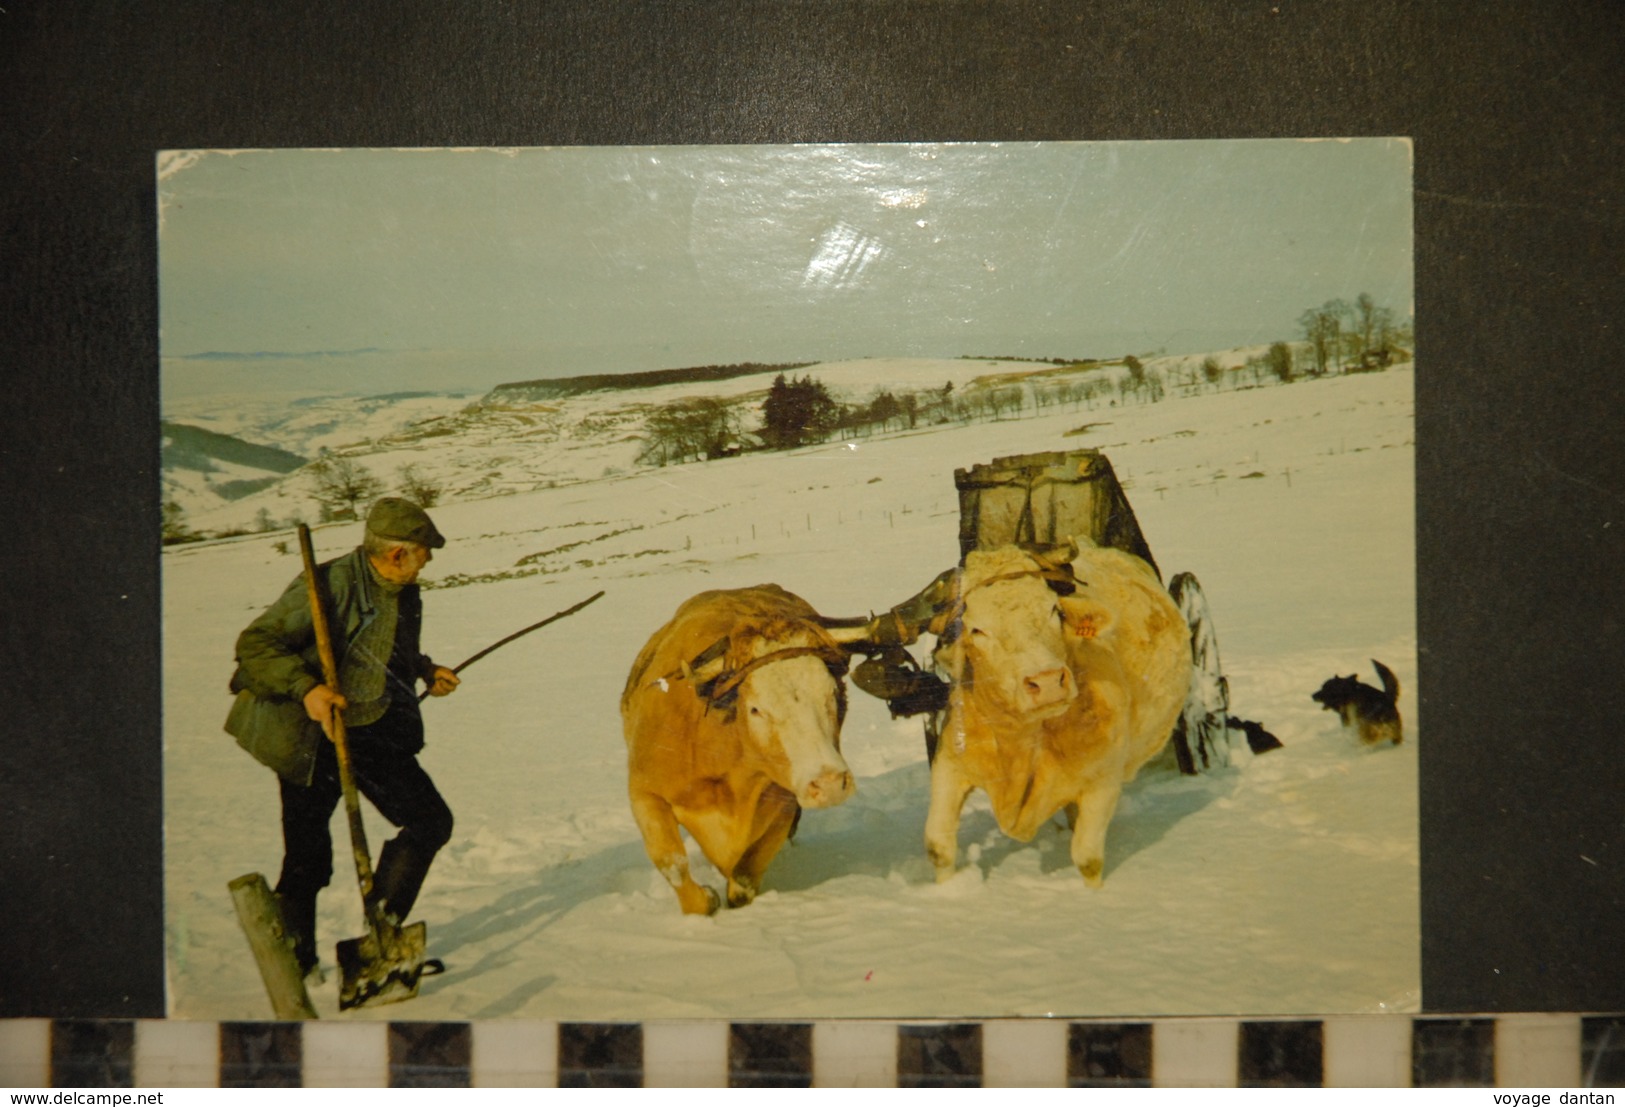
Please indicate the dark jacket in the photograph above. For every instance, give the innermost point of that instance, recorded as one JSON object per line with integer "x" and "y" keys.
{"x": 277, "y": 663}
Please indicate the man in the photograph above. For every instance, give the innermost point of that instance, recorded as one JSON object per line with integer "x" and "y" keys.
{"x": 283, "y": 714}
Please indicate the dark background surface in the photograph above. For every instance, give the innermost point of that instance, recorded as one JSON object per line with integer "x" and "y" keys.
{"x": 1515, "y": 109}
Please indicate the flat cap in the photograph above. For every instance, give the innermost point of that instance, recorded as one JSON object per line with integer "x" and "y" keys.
{"x": 393, "y": 517}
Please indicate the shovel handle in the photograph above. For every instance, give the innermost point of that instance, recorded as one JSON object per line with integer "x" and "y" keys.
{"x": 335, "y": 729}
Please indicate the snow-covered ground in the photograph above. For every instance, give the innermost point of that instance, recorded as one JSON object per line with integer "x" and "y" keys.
{"x": 1286, "y": 885}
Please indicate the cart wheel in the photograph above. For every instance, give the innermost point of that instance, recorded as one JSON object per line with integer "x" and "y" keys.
{"x": 1201, "y": 739}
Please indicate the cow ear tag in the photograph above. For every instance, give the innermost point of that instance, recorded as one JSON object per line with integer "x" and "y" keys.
{"x": 1085, "y": 618}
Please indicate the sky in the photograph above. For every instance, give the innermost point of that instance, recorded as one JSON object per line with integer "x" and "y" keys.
{"x": 387, "y": 270}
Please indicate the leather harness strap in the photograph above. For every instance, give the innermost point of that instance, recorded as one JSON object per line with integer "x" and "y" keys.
{"x": 720, "y": 689}
{"x": 1058, "y": 577}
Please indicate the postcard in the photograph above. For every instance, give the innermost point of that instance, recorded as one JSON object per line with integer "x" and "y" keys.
{"x": 749, "y": 428}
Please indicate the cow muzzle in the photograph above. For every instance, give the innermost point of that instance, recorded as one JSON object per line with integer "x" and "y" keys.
{"x": 1043, "y": 691}
{"x": 830, "y": 787}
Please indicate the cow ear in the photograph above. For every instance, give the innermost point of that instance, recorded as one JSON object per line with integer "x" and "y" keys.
{"x": 1063, "y": 554}
{"x": 1085, "y": 617}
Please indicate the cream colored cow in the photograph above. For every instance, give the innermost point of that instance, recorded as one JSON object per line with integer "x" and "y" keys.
{"x": 1062, "y": 685}
{"x": 732, "y": 715}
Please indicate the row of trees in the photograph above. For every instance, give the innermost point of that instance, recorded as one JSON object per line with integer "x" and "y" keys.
{"x": 1341, "y": 334}
{"x": 800, "y": 411}
{"x": 690, "y": 430}
{"x": 1279, "y": 362}
{"x": 342, "y": 486}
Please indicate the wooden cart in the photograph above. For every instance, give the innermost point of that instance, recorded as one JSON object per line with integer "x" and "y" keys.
{"x": 1040, "y": 502}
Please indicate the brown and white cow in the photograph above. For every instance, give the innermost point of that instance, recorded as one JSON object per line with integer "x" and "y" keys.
{"x": 1062, "y": 685}
{"x": 732, "y": 715}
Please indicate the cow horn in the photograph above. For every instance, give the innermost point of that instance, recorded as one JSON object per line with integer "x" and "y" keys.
{"x": 708, "y": 663}
{"x": 844, "y": 632}
{"x": 1063, "y": 554}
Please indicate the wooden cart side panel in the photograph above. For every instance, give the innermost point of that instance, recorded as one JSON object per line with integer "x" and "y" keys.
{"x": 1042, "y": 500}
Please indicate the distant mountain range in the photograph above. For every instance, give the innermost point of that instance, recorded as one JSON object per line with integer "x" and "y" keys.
{"x": 273, "y": 355}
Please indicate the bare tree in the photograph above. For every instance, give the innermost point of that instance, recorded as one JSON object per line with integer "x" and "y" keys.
{"x": 1001, "y": 400}
{"x": 1323, "y": 328}
{"x": 418, "y": 486}
{"x": 687, "y": 430}
{"x": 1382, "y": 328}
{"x": 341, "y": 484}
{"x": 1337, "y": 313}
{"x": 174, "y": 524}
{"x": 1365, "y": 320}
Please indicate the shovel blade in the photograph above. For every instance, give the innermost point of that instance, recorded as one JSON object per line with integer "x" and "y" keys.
{"x": 383, "y": 966}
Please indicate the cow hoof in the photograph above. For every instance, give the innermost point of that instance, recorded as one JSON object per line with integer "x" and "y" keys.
{"x": 1094, "y": 872}
{"x": 699, "y": 900}
{"x": 740, "y": 893}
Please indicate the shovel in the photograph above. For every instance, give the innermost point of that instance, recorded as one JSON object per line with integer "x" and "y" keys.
{"x": 385, "y": 964}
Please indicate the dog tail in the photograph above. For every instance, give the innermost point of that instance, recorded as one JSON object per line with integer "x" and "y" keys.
{"x": 1390, "y": 683}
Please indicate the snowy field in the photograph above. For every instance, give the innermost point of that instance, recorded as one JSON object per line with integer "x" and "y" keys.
{"x": 1286, "y": 885}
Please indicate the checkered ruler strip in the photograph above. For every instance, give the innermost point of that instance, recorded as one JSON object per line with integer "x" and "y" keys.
{"x": 1544, "y": 1051}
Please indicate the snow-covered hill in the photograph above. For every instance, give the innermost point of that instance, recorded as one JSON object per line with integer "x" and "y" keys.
{"x": 296, "y": 424}
{"x": 1287, "y": 885}
{"x": 473, "y": 448}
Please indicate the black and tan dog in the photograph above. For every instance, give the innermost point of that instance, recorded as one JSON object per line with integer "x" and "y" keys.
{"x": 1371, "y": 713}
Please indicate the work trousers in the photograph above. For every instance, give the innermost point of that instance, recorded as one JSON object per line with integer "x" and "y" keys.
{"x": 393, "y": 781}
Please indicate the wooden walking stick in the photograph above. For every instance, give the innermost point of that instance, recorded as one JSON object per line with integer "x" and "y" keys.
{"x": 553, "y": 618}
